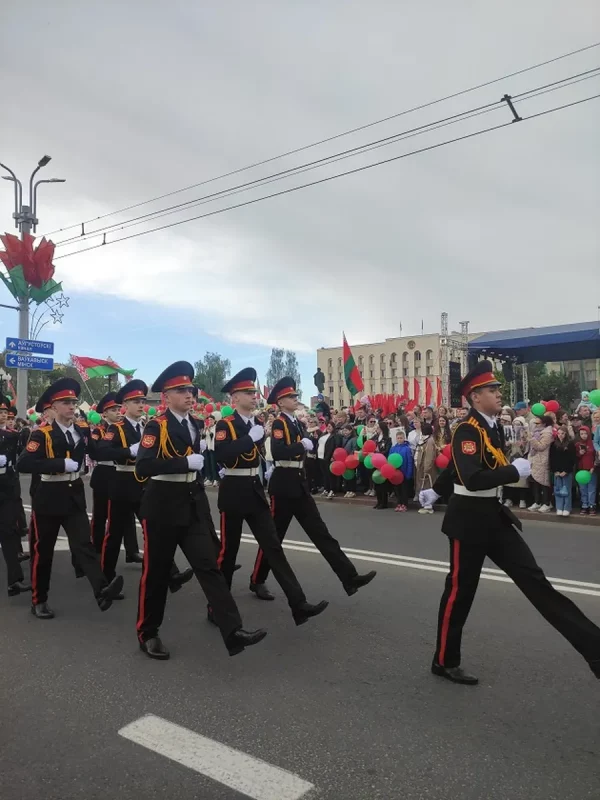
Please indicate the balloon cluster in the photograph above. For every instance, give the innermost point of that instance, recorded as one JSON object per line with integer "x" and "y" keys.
{"x": 539, "y": 409}
{"x": 94, "y": 417}
{"x": 583, "y": 477}
{"x": 384, "y": 469}
{"x": 595, "y": 397}
{"x": 444, "y": 458}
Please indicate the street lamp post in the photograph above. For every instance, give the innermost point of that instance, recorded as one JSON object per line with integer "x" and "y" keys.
{"x": 25, "y": 217}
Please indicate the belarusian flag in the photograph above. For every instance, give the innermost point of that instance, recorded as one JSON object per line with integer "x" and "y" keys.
{"x": 353, "y": 380}
{"x": 99, "y": 367}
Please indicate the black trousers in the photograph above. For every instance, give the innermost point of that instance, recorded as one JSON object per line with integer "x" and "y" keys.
{"x": 510, "y": 553}
{"x": 401, "y": 491}
{"x": 263, "y": 528}
{"x": 198, "y": 545}
{"x": 304, "y": 508}
{"x": 100, "y": 502}
{"x": 382, "y": 493}
{"x": 313, "y": 473}
{"x": 10, "y": 539}
{"x": 210, "y": 466}
{"x": 44, "y": 530}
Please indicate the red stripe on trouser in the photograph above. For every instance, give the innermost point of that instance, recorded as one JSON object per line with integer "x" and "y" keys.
{"x": 106, "y": 537}
{"x": 35, "y": 546}
{"x": 223, "y": 541}
{"x": 260, "y": 554}
{"x": 451, "y": 601}
{"x": 143, "y": 581}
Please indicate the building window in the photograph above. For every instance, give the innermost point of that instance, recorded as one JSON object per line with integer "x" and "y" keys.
{"x": 383, "y": 373}
{"x": 429, "y": 355}
{"x": 371, "y": 359}
{"x": 330, "y": 376}
{"x": 330, "y": 392}
{"x": 330, "y": 363}
{"x": 372, "y": 388}
{"x": 392, "y": 359}
{"x": 371, "y": 373}
{"x": 382, "y": 358}
{"x": 394, "y": 387}
{"x": 393, "y": 372}
{"x": 429, "y": 370}
{"x": 360, "y": 360}
{"x": 383, "y": 389}
{"x": 417, "y": 355}
{"x": 405, "y": 372}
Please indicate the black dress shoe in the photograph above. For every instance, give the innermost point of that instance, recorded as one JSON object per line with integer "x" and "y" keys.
{"x": 79, "y": 573}
{"x": 304, "y": 611}
{"x": 120, "y": 596}
{"x": 236, "y": 567}
{"x": 595, "y": 667}
{"x": 454, "y": 674}
{"x": 176, "y": 581}
{"x": 261, "y": 591}
{"x": 134, "y": 558}
{"x": 154, "y": 648}
{"x": 237, "y": 641}
{"x": 41, "y": 611}
{"x": 23, "y": 557}
{"x": 355, "y": 583}
{"x": 18, "y": 587}
{"x": 110, "y": 593}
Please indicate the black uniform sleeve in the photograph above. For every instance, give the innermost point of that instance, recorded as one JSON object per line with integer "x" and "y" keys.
{"x": 280, "y": 450}
{"x": 444, "y": 484}
{"x": 111, "y": 449}
{"x": 33, "y": 458}
{"x": 227, "y": 450}
{"x": 91, "y": 443}
{"x": 147, "y": 461}
{"x": 467, "y": 455}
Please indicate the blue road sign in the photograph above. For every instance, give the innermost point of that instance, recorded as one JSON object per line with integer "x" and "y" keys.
{"x": 28, "y": 361}
{"x": 30, "y": 346}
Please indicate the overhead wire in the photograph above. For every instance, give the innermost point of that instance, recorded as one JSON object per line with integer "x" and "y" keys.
{"x": 333, "y": 177}
{"x": 334, "y": 137}
{"x": 351, "y": 153}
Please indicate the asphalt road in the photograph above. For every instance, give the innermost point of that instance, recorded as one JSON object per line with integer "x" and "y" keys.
{"x": 345, "y": 702}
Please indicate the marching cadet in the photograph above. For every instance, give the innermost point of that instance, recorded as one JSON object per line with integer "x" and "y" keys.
{"x": 103, "y": 476}
{"x": 291, "y": 497}
{"x": 175, "y": 511}
{"x": 242, "y": 497}
{"x": 22, "y": 439}
{"x": 478, "y": 525}
{"x": 120, "y": 444}
{"x": 10, "y": 503}
{"x": 57, "y": 453}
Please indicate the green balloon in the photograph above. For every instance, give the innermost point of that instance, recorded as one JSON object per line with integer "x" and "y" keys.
{"x": 361, "y": 457}
{"x": 583, "y": 477}
{"x": 34, "y": 417}
{"x": 396, "y": 460}
{"x": 368, "y": 462}
{"x": 538, "y": 409}
{"x": 360, "y": 428}
{"x": 378, "y": 477}
{"x": 226, "y": 411}
{"x": 151, "y": 411}
{"x": 594, "y": 397}
{"x": 360, "y": 441}
{"x": 350, "y": 473}
{"x": 94, "y": 417}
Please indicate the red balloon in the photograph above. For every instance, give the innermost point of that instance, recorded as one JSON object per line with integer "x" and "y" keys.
{"x": 30, "y": 411}
{"x": 337, "y": 467}
{"x": 352, "y": 462}
{"x": 441, "y": 461}
{"x": 553, "y": 406}
{"x": 209, "y": 408}
{"x": 447, "y": 451}
{"x": 397, "y": 478}
{"x": 146, "y": 409}
{"x": 339, "y": 454}
{"x": 369, "y": 446}
{"x": 378, "y": 461}
{"x": 387, "y": 470}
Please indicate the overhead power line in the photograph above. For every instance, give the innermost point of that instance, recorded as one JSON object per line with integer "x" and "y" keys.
{"x": 331, "y": 159}
{"x": 333, "y": 138}
{"x": 333, "y": 177}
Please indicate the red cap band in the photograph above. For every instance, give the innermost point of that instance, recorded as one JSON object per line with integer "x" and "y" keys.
{"x": 64, "y": 394}
{"x": 289, "y": 390}
{"x": 243, "y": 386}
{"x": 134, "y": 395}
{"x": 109, "y": 404}
{"x": 178, "y": 382}
{"x": 480, "y": 380}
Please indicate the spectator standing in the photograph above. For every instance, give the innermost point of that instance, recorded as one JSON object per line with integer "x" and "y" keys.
{"x": 539, "y": 456}
{"x": 517, "y": 446}
{"x": 313, "y": 472}
{"x": 404, "y": 490}
{"x": 414, "y": 436}
{"x": 211, "y": 475}
{"x": 563, "y": 418}
{"x": 586, "y": 456}
{"x": 349, "y": 443}
{"x": 441, "y": 433}
{"x": 426, "y": 471}
{"x": 562, "y": 463}
{"x": 332, "y": 440}
{"x": 384, "y": 445}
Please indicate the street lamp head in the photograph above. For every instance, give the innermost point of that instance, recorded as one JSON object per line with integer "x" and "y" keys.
{"x": 56, "y": 180}
{"x": 44, "y": 160}
{"x": 7, "y": 178}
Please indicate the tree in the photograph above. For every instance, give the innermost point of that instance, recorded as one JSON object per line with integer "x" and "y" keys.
{"x": 292, "y": 369}
{"x": 283, "y": 363}
{"x": 211, "y": 373}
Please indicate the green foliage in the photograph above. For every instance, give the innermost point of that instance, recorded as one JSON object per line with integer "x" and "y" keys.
{"x": 283, "y": 363}
{"x": 543, "y": 385}
{"x": 211, "y": 372}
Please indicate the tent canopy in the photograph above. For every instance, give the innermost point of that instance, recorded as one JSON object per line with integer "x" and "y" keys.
{"x": 554, "y": 343}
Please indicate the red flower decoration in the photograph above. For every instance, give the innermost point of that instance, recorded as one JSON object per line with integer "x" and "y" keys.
{"x": 37, "y": 264}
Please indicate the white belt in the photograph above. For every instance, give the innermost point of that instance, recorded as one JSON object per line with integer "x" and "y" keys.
{"x": 242, "y": 472}
{"x": 289, "y": 464}
{"x": 183, "y": 477}
{"x": 458, "y": 489}
{"x": 65, "y": 476}
{"x": 125, "y": 467}
{"x": 105, "y": 463}
{"x": 2, "y": 470}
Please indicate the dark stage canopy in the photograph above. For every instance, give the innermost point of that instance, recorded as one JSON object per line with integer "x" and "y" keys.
{"x": 555, "y": 343}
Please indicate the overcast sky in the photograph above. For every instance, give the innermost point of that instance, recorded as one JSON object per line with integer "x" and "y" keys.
{"x": 134, "y": 100}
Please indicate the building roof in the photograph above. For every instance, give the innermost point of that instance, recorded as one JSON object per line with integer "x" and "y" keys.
{"x": 554, "y": 343}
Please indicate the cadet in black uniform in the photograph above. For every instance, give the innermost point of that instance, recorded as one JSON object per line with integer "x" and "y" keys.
{"x": 175, "y": 511}
{"x": 120, "y": 444}
{"x": 478, "y": 525}
{"x": 57, "y": 452}
{"x": 10, "y": 503}
{"x": 22, "y": 439}
{"x": 290, "y": 495}
{"x": 242, "y": 497}
{"x": 104, "y": 471}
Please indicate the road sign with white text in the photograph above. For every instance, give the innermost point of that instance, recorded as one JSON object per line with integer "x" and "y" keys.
{"x": 28, "y": 361}
{"x": 30, "y": 346}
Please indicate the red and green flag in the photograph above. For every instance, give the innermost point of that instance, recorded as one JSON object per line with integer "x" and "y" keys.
{"x": 99, "y": 367}
{"x": 353, "y": 380}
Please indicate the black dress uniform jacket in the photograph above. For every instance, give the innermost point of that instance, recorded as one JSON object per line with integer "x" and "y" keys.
{"x": 102, "y": 474}
{"x": 286, "y": 445}
{"x": 45, "y": 454}
{"x": 9, "y": 480}
{"x": 235, "y": 449}
{"x": 119, "y": 437}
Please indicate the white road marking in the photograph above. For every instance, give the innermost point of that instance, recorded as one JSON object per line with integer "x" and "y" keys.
{"x": 410, "y": 562}
{"x": 237, "y": 770}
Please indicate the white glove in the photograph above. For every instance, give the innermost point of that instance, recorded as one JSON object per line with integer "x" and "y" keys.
{"x": 222, "y": 473}
{"x": 195, "y": 462}
{"x": 70, "y": 465}
{"x": 256, "y": 433}
{"x": 523, "y": 466}
{"x": 268, "y": 473}
{"x": 202, "y": 445}
{"x": 134, "y": 448}
{"x": 308, "y": 445}
{"x": 427, "y": 497}
{"x": 2, "y": 461}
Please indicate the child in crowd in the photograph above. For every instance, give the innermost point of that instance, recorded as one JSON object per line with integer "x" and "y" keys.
{"x": 562, "y": 463}
{"x": 404, "y": 490}
{"x": 585, "y": 461}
